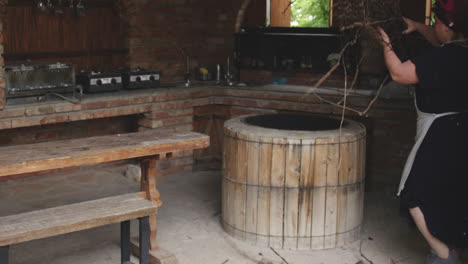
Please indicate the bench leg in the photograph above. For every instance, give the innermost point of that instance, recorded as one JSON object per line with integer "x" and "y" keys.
{"x": 148, "y": 185}
{"x": 4, "y": 254}
{"x": 125, "y": 242}
{"x": 144, "y": 239}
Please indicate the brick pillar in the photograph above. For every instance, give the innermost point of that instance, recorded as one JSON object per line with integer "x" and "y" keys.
{"x": 171, "y": 120}
{"x": 3, "y": 4}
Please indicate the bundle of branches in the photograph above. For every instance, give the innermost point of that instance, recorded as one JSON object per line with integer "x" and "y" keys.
{"x": 358, "y": 20}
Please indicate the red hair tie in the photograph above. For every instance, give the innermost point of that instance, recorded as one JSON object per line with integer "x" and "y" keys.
{"x": 448, "y": 6}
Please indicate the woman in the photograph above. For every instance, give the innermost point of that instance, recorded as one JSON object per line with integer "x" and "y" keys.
{"x": 435, "y": 178}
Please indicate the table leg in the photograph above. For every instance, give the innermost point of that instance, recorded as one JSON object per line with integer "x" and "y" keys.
{"x": 125, "y": 242}
{"x": 4, "y": 254}
{"x": 149, "y": 186}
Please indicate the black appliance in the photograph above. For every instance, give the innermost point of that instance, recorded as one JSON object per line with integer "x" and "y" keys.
{"x": 290, "y": 49}
{"x": 140, "y": 78}
{"x": 94, "y": 82}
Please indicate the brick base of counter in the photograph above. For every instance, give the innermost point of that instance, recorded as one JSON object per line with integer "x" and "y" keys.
{"x": 390, "y": 125}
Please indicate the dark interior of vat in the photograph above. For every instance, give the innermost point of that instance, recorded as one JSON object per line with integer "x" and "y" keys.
{"x": 294, "y": 122}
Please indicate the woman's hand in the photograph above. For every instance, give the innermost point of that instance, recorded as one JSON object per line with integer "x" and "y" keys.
{"x": 382, "y": 37}
{"x": 411, "y": 25}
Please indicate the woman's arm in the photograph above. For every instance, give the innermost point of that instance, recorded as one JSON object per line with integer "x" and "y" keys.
{"x": 426, "y": 31}
{"x": 401, "y": 72}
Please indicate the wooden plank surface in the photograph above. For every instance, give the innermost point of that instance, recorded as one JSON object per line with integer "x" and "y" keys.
{"x": 291, "y": 208}
{"x": 264, "y": 194}
{"x": 93, "y": 150}
{"x": 251, "y": 211}
{"x": 278, "y": 173}
{"x": 240, "y": 188}
{"x": 320, "y": 193}
{"x": 75, "y": 217}
{"x": 333, "y": 166}
{"x": 305, "y": 195}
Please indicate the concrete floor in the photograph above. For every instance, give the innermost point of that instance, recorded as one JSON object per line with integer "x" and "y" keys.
{"x": 189, "y": 224}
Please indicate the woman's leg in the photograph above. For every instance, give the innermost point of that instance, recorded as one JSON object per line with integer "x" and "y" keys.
{"x": 440, "y": 248}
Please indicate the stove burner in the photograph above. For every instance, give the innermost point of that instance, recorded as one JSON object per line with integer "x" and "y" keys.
{"x": 140, "y": 78}
{"x": 94, "y": 82}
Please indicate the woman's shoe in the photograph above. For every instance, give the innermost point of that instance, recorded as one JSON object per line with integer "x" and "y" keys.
{"x": 452, "y": 259}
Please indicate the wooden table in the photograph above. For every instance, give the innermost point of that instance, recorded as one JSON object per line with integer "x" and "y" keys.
{"x": 148, "y": 147}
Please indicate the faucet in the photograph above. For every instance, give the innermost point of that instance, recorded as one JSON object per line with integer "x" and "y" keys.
{"x": 187, "y": 72}
{"x": 229, "y": 76}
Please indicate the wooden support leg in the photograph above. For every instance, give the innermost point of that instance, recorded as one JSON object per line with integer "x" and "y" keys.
{"x": 4, "y": 254}
{"x": 148, "y": 185}
{"x": 125, "y": 242}
{"x": 144, "y": 240}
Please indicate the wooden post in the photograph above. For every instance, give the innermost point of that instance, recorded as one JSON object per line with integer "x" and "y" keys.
{"x": 280, "y": 13}
{"x": 427, "y": 20}
{"x": 148, "y": 185}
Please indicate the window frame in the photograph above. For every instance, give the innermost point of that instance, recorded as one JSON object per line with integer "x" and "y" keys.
{"x": 269, "y": 13}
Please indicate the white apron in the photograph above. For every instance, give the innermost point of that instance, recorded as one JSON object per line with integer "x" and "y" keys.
{"x": 423, "y": 124}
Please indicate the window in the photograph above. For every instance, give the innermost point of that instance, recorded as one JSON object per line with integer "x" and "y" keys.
{"x": 299, "y": 13}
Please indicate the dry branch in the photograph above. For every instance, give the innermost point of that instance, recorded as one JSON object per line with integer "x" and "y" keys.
{"x": 240, "y": 15}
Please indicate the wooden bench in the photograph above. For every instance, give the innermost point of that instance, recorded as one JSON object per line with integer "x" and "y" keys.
{"x": 148, "y": 146}
{"x": 75, "y": 217}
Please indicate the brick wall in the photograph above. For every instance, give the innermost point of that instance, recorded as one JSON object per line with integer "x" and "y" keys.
{"x": 2, "y": 73}
{"x": 163, "y": 33}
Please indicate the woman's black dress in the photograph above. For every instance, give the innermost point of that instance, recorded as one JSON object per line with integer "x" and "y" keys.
{"x": 438, "y": 180}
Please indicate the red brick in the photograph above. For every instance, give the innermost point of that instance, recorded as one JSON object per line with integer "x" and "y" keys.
{"x": 23, "y": 139}
{"x": 120, "y": 102}
{"x": 178, "y": 120}
{"x": 169, "y": 113}
{"x": 66, "y": 107}
{"x": 85, "y": 115}
{"x": 26, "y": 122}
{"x": 149, "y": 123}
{"x": 4, "y": 141}
{"x": 47, "y": 135}
{"x": 140, "y": 100}
{"x": 55, "y": 119}
{"x": 212, "y": 109}
{"x": 201, "y": 93}
{"x": 237, "y": 111}
{"x": 39, "y": 110}
{"x": 5, "y": 124}
{"x": 104, "y": 113}
{"x": 95, "y": 105}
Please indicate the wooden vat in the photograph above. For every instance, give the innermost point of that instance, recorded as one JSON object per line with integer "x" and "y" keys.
{"x": 293, "y": 189}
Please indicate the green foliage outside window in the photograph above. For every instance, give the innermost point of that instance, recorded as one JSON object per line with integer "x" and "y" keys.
{"x": 310, "y": 13}
{"x": 432, "y": 16}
